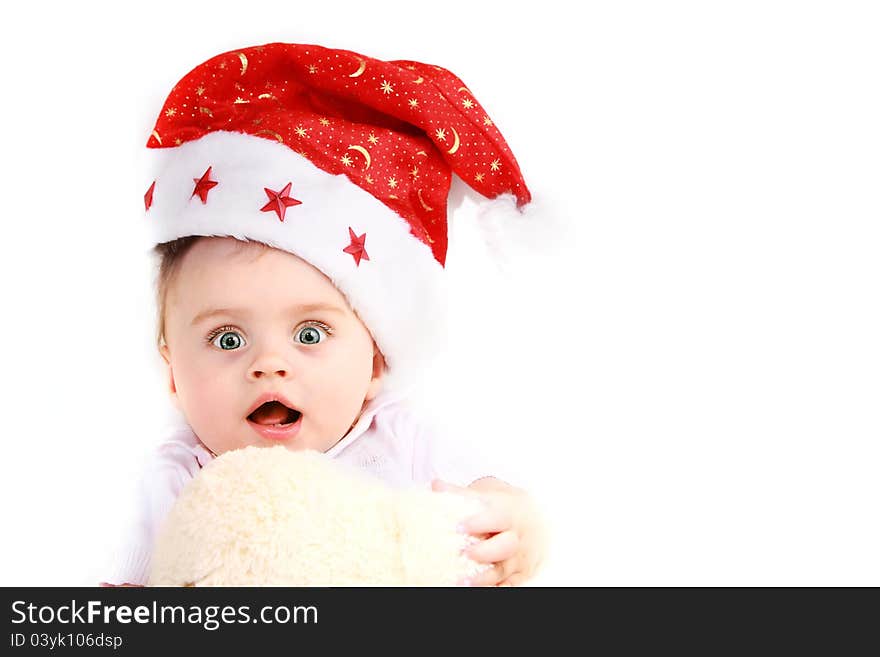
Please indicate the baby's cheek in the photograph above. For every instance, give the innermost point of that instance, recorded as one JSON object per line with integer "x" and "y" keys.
{"x": 331, "y": 413}
{"x": 213, "y": 416}
{"x": 323, "y": 420}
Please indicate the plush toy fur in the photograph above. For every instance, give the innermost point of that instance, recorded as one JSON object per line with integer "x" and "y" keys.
{"x": 271, "y": 516}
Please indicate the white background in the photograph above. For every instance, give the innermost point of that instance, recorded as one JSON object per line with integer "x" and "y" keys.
{"x": 690, "y": 385}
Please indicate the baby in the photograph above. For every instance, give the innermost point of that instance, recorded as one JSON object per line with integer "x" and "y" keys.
{"x": 278, "y": 322}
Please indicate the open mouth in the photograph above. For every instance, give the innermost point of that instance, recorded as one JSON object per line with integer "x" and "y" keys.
{"x": 274, "y": 414}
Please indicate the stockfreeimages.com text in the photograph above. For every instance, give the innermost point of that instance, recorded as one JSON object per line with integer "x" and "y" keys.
{"x": 210, "y": 617}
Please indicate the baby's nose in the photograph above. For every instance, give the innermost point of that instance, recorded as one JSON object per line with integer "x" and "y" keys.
{"x": 256, "y": 373}
{"x": 269, "y": 365}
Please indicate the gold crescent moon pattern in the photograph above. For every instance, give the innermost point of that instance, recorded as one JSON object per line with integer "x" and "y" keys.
{"x": 465, "y": 89}
{"x": 455, "y": 145}
{"x": 420, "y": 80}
{"x": 270, "y": 133}
{"x": 424, "y": 205}
{"x": 243, "y": 59}
{"x": 363, "y": 151}
{"x": 158, "y": 138}
{"x": 360, "y": 70}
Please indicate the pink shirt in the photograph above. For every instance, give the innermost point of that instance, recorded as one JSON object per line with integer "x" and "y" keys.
{"x": 387, "y": 441}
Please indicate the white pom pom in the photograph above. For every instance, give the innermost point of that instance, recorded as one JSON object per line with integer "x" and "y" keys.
{"x": 514, "y": 238}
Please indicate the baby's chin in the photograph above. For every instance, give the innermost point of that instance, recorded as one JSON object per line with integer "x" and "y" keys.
{"x": 219, "y": 445}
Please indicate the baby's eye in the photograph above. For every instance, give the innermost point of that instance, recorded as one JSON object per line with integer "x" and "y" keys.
{"x": 310, "y": 335}
{"x": 228, "y": 340}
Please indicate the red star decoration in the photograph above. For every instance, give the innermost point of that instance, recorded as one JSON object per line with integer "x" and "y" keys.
{"x": 279, "y": 201}
{"x": 204, "y": 185}
{"x": 148, "y": 197}
{"x": 356, "y": 248}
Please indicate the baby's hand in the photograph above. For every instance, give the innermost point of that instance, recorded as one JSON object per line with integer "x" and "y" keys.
{"x": 510, "y": 527}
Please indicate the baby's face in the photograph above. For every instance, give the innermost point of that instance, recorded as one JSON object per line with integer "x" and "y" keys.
{"x": 241, "y": 321}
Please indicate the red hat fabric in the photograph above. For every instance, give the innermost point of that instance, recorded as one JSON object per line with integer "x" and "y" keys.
{"x": 339, "y": 158}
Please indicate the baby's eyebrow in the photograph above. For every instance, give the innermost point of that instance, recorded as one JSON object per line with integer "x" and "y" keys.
{"x": 208, "y": 313}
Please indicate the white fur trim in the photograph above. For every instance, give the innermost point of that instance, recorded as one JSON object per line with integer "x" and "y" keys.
{"x": 398, "y": 293}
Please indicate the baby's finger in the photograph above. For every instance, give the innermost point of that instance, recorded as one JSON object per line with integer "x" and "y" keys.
{"x": 516, "y": 579}
{"x": 497, "y": 574}
{"x": 489, "y": 577}
{"x": 440, "y": 486}
{"x": 490, "y": 521}
{"x": 116, "y": 586}
{"x": 497, "y": 548}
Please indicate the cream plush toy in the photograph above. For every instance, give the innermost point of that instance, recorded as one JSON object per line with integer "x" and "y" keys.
{"x": 271, "y": 516}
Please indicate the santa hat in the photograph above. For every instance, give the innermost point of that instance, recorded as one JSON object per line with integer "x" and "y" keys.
{"x": 336, "y": 157}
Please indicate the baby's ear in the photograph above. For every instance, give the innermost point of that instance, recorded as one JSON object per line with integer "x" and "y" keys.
{"x": 172, "y": 388}
{"x": 378, "y": 373}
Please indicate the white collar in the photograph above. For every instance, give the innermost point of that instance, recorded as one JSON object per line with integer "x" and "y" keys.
{"x": 380, "y": 401}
